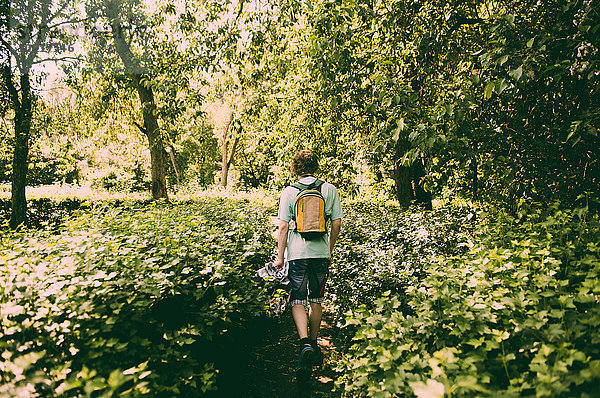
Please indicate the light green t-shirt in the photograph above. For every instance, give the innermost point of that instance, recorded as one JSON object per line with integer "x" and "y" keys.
{"x": 298, "y": 247}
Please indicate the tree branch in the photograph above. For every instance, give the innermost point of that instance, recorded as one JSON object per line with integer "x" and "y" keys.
{"x": 465, "y": 21}
{"x": 142, "y": 129}
{"x": 240, "y": 9}
{"x": 64, "y": 5}
{"x": 40, "y": 38}
{"x": 14, "y": 94}
{"x": 67, "y": 22}
{"x": 122, "y": 46}
{"x": 9, "y": 48}
{"x": 65, "y": 58}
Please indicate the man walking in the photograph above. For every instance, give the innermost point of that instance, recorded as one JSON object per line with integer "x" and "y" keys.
{"x": 308, "y": 254}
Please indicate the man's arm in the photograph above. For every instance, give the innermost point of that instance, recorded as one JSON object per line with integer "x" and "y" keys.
{"x": 335, "y": 232}
{"x": 282, "y": 235}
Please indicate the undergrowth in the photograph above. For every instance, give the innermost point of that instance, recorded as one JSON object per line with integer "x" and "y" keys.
{"x": 141, "y": 299}
{"x": 131, "y": 300}
{"x": 516, "y": 315}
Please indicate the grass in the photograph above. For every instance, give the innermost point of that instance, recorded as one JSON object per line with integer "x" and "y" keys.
{"x": 66, "y": 191}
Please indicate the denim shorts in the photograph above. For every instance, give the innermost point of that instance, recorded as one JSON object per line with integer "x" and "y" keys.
{"x": 308, "y": 278}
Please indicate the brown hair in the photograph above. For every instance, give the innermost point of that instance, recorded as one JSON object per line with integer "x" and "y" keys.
{"x": 305, "y": 162}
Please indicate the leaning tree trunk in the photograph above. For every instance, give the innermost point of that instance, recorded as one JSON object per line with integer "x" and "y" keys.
{"x": 226, "y": 157}
{"x": 171, "y": 153}
{"x": 22, "y": 122}
{"x": 150, "y": 128}
{"x": 157, "y": 152}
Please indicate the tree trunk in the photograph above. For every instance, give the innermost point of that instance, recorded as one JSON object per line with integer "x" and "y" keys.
{"x": 224, "y": 166}
{"x": 150, "y": 129}
{"x": 171, "y": 152}
{"x": 474, "y": 177}
{"x": 157, "y": 168}
{"x": 403, "y": 188}
{"x": 18, "y": 200}
{"x": 22, "y": 122}
{"x": 157, "y": 151}
{"x": 404, "y": 192}
{"x": 225, "y": 159}
{"x": 420, "y": 194}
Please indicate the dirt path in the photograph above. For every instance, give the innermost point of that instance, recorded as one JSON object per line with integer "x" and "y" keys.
{"x": 266, "y": 367}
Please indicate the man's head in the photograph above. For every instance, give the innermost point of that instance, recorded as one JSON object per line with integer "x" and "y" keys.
{"x": 305, "y": 162}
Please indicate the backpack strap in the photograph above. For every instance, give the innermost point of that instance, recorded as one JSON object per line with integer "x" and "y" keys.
{"x": 299, "y": 186}
{"x": 314, "y": 185}
{"x": 317, "y": 184}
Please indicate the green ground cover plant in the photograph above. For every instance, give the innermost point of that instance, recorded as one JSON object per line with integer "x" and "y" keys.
{"x": 516, "y": 315}
{"x": 49, "y": 205}
{"x": 143, "y": 299}
{"x": 129, "y": 299}
{"x": 45, "y": 212}
{"x": 386, "y": 248}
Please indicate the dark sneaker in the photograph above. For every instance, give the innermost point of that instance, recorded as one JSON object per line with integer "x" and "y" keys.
{"x": 317, "y": 357}
{"x": 305, "y": 362}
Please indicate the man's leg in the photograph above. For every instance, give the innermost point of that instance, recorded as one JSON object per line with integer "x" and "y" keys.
{"x": 299, "y": 282}
{"x": 315, "y": 315}
{"x": 299, "y": 315}
{"x": 305, "y": 359}
{"x": 318, "y": 273}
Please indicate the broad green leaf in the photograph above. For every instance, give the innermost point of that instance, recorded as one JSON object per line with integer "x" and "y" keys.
{"x": 489, "y": 89}
{"x": 584, "y": 28}
{"x": 501, "y": 85}
{"x": 516, "y": 73}
{"x": 430, "y": 389}
{"x": 401, "y": 124}
{"x": 530, "y": 42}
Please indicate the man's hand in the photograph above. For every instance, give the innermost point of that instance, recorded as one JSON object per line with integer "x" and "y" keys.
{"x": 282, "y": 234}
{"x": 278, "y": 263}
{"x": 335, "y": 232}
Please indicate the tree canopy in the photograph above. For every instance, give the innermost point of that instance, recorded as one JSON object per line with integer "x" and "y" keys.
{"x": 492, "y": 100}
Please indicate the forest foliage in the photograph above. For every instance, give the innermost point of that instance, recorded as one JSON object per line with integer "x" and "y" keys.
{"x": 462, "y": 135}
{"x": 515, "y": 315}
{"x": 129, "y": 299}
{"x": 144, "y": 300}
{"x": 490, "y": 100}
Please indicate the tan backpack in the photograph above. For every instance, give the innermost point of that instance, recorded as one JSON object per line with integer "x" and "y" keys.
{"x": 309, "y": 210}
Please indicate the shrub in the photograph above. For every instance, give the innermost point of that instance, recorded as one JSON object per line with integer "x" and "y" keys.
{"x": 131, "y": 300}
{"x": 515, "y": 316}
{"x": 385, "y": 248}
{"x": 48, "y": 167}
{"x": 198, "y": 157}
{"x": 45, "y": 212}
{"x": 113, "y": 182}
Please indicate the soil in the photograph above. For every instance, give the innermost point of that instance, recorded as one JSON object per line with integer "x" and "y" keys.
{"x": 267, "y": 361}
